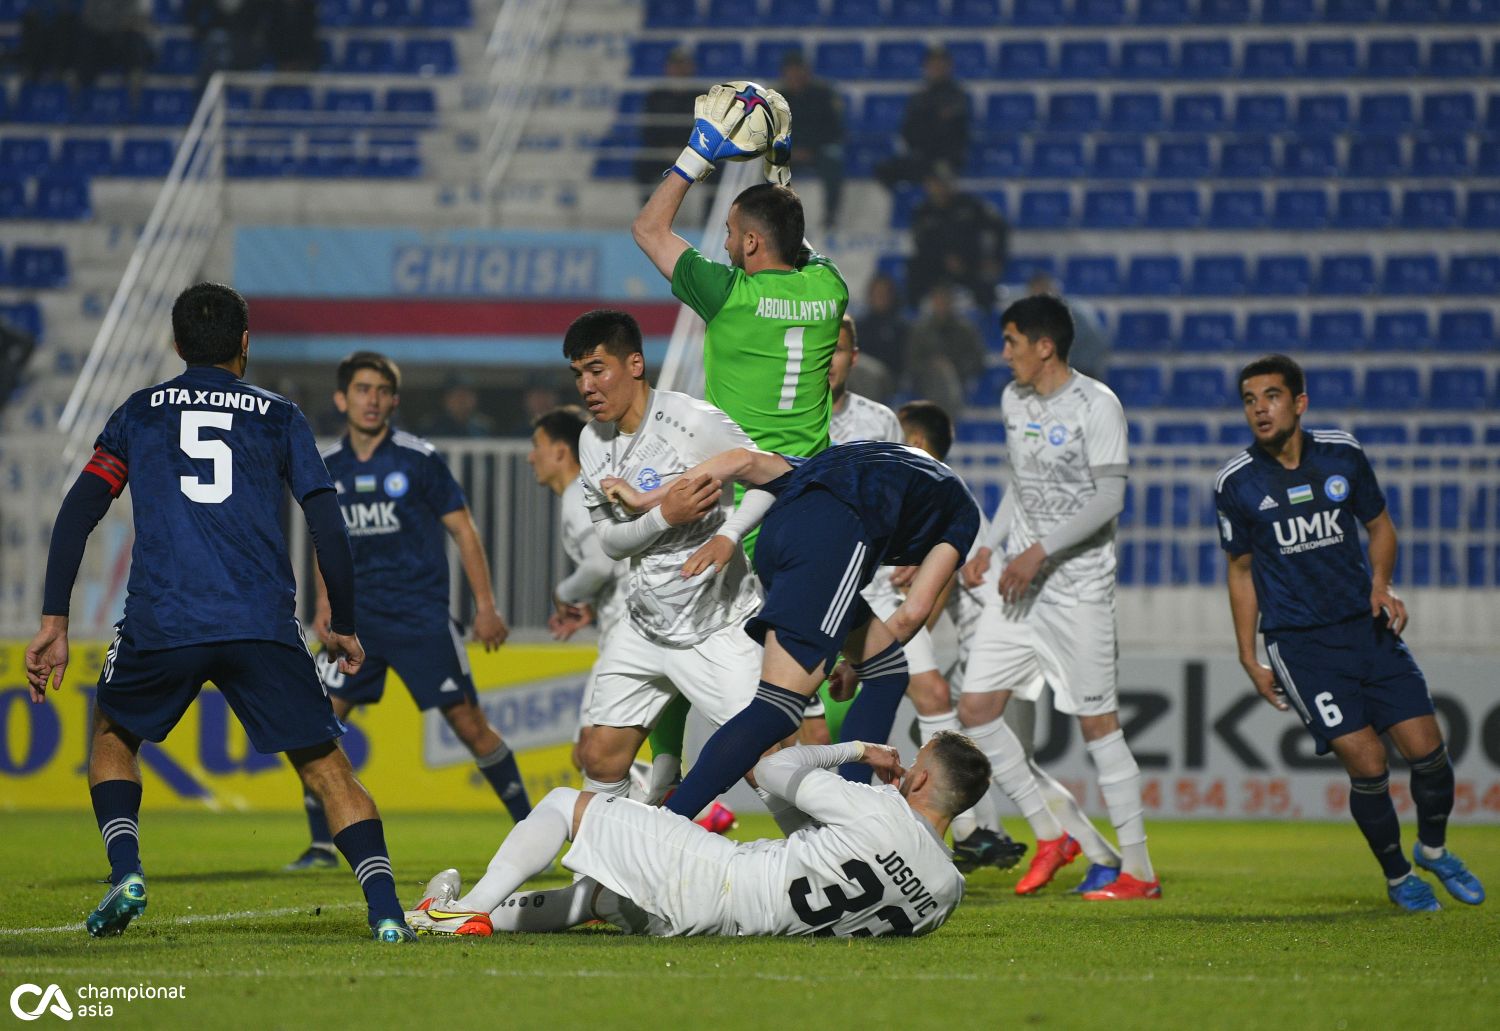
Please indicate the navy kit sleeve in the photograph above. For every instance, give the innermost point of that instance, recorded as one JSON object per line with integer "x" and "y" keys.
{"x": 325, "y": 524}
{"x": 1234, "y": 532}
{"x": 440, "y": 491}
{"x": 1366, "y": 500}
{"x": 81, "y": 511}
{"x": 305, "y": 471}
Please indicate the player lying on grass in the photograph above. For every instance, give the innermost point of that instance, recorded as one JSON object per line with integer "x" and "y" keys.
{"x": 862, "y": 862}
{"x": 829, "y": 523}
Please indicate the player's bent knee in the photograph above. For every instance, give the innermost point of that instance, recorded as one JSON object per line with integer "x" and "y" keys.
{"x": 981, "y": 707}
{"x": 929, "y": 694}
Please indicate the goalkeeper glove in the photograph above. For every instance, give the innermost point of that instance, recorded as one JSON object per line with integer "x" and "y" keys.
{"x": 778, "y": 159}
{"x": 710, "y": 142}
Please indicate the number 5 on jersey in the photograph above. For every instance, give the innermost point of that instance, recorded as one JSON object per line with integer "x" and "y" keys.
{"x": 191, "y": 440}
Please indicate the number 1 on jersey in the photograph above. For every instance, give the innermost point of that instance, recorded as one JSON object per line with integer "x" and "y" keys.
{"x": 190, "y": 439}
{"x": 794, "y": 349}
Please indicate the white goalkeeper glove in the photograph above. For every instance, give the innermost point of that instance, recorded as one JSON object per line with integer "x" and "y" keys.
{"x": 778, "y": 159}
{"x": 710, "y": 143}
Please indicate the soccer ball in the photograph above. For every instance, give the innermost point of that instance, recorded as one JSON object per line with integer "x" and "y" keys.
{"x": 752, "y": 122}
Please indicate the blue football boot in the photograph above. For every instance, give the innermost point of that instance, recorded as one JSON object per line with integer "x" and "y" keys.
{"x": 1450, "y": 869}
{"x": 1098, "y": 876}
{"x": 317, "y": 857}
{"x": 124, "y": 903}
{"x": 393, "y": 932}
{"x": 1413, "y": 894}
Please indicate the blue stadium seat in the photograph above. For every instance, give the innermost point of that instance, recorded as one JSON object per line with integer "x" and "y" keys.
{"x": 377, "y": 14}
{"x": 1451, "y": 434}
{"x": 1474, "y": 274}
{"x": 1413, "y": 11}
{"x": 1270, "y": 59}
{"x": 42, "y": 103}
{"x": 978, "y": 13}
{"x": 1154, "y": 275}
{"x": 1385, "y": 113}
{"x": 38, "y": 267}
{"x": 1364, "y": 209}
{"x": 1135, "y": 112}
{"x": 881, "y": 112}
{"x": 852, "y": 14}
{"x": 904, "y": 200}
{"x": 1023, "y": 60}
{"x": 1466, "y": 330}
{"x": 1038, "y": 12}
{"x": 1248, "y": 158}
{"x": 1455, "y": 59}
{"x": 1060, "y": 158}
{"x": 1479, "y": 12}
{"x": 1218, "y": 275}
{"x": 101, "y": 105}
{"x": 332, "y": 14}
{"x": 840, "y": 60}
{"x": 25, "y": 155}
{"x": 1488, "y": 163}
{"x": 1450, "y": 112}
{"x": 1261, "y": 112}
{"x": 1138, "y": 386}
{"x": 1109, "y": 209}
{"x": 1045, "y": 209}
{"x": 178, "y": 55}
{"x": 1393, "y": 389}
{"x": 1182, "y": 434}
{"x": 1143, "y": 331}
{"x": 12, "y": 200}
{"x": 1440, "y": 156}
{"x": 1346, "y": 274}
{"x": 1022, "y": 267}
{"x": 769, "y": 53}
{"x": 915, "y": 13}
{"x": 1198, "y": 387}
{"x": 1309, "y": 158}
{"x": 1432, "y": 209}
{"x": 86, "y": 156}
{"x": 1282, "y": 275}
{"x": 1273, "y": 331}
{"x": 732, "y": 14}
{"x": 1390, "y": 434}
{"x": 1092, "y": 277}
{"x": 446, "y": 14}
{"x": 1145, "y": 59}
{"x": 721, "y": 59}
{"x": 1323, "y": 112}
{"x": 1074, "y": 112}
{"x": 1237, "y": 209}
{"x": 1198, "y": 112}
{"x": 1392, "y": 59}
{"x": 1083, "y": 59}
{"x": 1300, "y": 209}
{"x": 166, "y": 12}
{"x": 993, "y": 156}
{"x": 1163, "y": 12}
{"x": 1119, "y": 159}
{"x": 971, "y": 59}
{"x": 1234, "y": 434}
{"x": 287, "y": 98}
{"x": 1204, "y": 58}
{"x": 1412, "y": 275}
{"x": 25, "y": 316}
{"x": 1375, "y": 157}
{"x": 648, "y": 57}
{"x": 1403, "y": 331}
{"x": 1011, "y": 112}
{"x": 145, "y": 158}
{"x": 1173, "y": 209}
{"x": 1337, "y": 331}
{"x": 991, "y": 383}
{"x": 369, "y": 57}
{"x": 1331, "y": 59}
{"x": 1223, "y": 12}
{"x": 863, "y": 151}
{"x": 1332, "y": 388}
{"x": 1182, "y": 159}
{"x": 1098, "y": 12}
{"x": 410, "y": 101}
{"x": 671, "y": 14}
{"x": 1207, "y": 331}
{"x": 899, "y": 60}
{"x": 975, "y": 431}
{"x": 1459, "y": 388}
{"x": 429, "y": 57}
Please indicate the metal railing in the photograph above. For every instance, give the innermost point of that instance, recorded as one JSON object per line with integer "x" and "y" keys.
{"x": 517, "y": 51}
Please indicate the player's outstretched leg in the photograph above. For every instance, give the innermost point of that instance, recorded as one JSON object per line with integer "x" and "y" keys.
{"x": 733, "y": 750}
{"x": 526, "y": 851}
{"x": 320, "y": 853}
{"x": 1370, "y": 805}
{"x": 115, "y": 789}
{"x": 1120, "y": 783}
{"x": 1432, "y": 791}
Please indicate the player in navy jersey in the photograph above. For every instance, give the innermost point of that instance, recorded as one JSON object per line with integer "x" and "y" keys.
{"x": 829, "y": 522}
{"x": 400, "y": 503}
{"x": 1288, "y": 505}
{"x": 208, "y": 458}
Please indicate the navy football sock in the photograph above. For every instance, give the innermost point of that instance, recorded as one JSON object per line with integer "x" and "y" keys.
{"x": 737, "y": 746}
{"x": 882, "y": 679}
{"x": 500, "y": 769}
{"x": 117, "y": 807}
{"x": 363, "y": 845}
{"x": 1432, "y": 791}
{"x": 317, "y": 821}
{"x": 1370, "y": 804}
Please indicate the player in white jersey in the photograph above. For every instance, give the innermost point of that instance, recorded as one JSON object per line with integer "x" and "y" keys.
{"x": 1053, "y": 618}
{"x": 679, "y": 635}
{"x": 864, "y": 862}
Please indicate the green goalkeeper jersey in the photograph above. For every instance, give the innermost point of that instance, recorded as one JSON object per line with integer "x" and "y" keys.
{"x": 770, "y": 340}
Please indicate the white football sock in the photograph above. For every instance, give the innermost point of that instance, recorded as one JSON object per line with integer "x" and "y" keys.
{"x": 526, "y": 851}
{"x": 1010, "y": 771}
{"x": 555, "y": 910}
{"x": 1120, "y": 783}
{"x": 619, "y": 788}
{"x": 666, "y": 774}
{"x": 1071, "y": 815}
{"x": 929, "y": 726}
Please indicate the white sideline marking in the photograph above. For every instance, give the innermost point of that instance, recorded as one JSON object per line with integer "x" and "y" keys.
{"x": 191, "y": 918}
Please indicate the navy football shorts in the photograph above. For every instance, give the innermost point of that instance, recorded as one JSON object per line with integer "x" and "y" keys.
{"x": 272, "y": 688}
{"x": 813, "y": 558}
{"x": 434, "y": 668}
{"x": 1348, "y": 676}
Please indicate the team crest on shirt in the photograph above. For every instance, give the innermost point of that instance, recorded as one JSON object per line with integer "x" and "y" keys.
{"x": 364, "y": 484}
{"x": 1336, "y": 487}
{"x": 649, "y": 479}
{"x": 1300, "y": 494}
{"x": 1057, "y": 435}
{"x": 396, "y": 484}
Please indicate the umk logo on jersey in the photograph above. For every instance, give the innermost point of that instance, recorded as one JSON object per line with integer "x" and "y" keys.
{"x": 373, "y": 519}
{"x": 1304, "y": 533}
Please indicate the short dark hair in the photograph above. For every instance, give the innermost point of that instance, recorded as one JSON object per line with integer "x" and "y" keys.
{"x": 368, "y": 360}
{"x": 564, "y": 423}
{"x": 934, "y": 422}
{"x": 964, "y": 769}
{"x": 1276, "y": 365}
{"x": 778, "y": 211}
{"x": 615, "y": 331}
{"x": 1042, "y": 315}
{"x": 208, "y": 322}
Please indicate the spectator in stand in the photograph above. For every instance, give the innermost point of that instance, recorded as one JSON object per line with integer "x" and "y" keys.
{"x": 883, "y": 333}
{"x": 818, "y": 139}
{"x": 662, "y": 118}
{"x": 112, "y": 38}
{"x": 229, "y": 33}
{"x": 291, "y": 34}
{"x": 48, "y": 31}
{"x": 957, "y": 238}
{"x": 460, "y": 416}
{"x": 945, "y": 353}
{"x": 935, "y": 128}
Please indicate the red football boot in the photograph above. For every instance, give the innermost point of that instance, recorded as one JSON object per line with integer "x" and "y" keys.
{"x": 1051, "y": 856}
{"x": 1126, "y": 887}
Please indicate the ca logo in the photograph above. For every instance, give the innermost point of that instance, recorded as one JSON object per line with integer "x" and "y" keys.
{"x": 53, "y": 996}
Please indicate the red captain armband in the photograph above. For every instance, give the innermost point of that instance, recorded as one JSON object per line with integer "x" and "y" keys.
{"x": 109, "y": 469}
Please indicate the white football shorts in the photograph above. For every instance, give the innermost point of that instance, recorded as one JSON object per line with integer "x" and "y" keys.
{"x": 1022, "y": 648}
{"x": 635, "y": 678}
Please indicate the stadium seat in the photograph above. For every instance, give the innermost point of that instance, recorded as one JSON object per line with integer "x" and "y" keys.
{"x": 863, "y": 151}
{"x": 1375, "y": 157}
{"x": 25, "y": 155}
{"x": 101, "y": 105}
{"x": 1385, "y": 113}
{"x": 1432, "y": 209}
{"x": 1180, "y": 434}
{"x": 1391, "y": 434}
{"x": 979, "y": 13}
{"x": 1331, "y": 59}
{"x": 971, "y": 59}
{"x": 369, "y": 57}
{"x": 178, "y": 55}
{"x": 1337, "y": 331}
{"x": 1092, "y": 277}
{"x": 1237, "y": 209}
{"x": 904, "y": 200}
{"x": 429, "y": 57}
{"x": 1488, "y": 163}
{"x": 1456, "y": 59}
{"x": 1109, "y": 209}
{"x": 1099, "y": 12}
{"x": 1083, "y": 59}
{"x": 44, "y": 103}
{"x": 1300, "y": 209}
{"x": 146, "y": 158}
{"x": 1393, "y": 389}
{"x": 1143, "y": 331}
{"x": 86, "y": 156}
{"x": 12, "y": 200}
{"x": 1474, "y": 274}
{"x": 287, "y": 98}
{"x": 447, "y": 14}
{"x": 1038, "y": 12}
{"x": 732, "y": 14}
{"x": 1282, "y": 275}
{"x": 977, "y": 431}
{"x": 898, "y": 60}
{"x": 1392, "y": 59}
{"x": 1466, "y": 330}
{"x": 1459, "y": 388}
{"x": 166, "y": 106}
{"x": 410, "y": 101}
{"x": 988, "y": 388}
{"x": 1346, "y": 274}
{"x": 1223, "y": 12}
{"x": 25, "y": 316}
{"x": 840, "y": 60}
{"x": 1207, "y": 331}
{"x": 38, "y": 267}
{"x": 1323, "y": 112}
{"x": 915, "y": 13}
{"x": 1451, "y": 434}
{"x": 1204, "y": 59}
{"x": 1260, "y": 112}
{"x": 1056, "y": 158}
{"x": 1403, "y": 331}
{"x": 1308, "y": 158}
{"x": 1137, "y": 386}
{"x": 1440, "y": 156}
{"x": 648, "y": 57}
{"x": 1135, "y": 113}
{"x": 1145, "y": 59}
{"x": 671, "y": 14}
{"x": 1198, "y": 112}
{"x": 1198, "y": 387}
{"x": 377, "y": 14}
{"x": 1364, "y": 209}
{"x": 1269, "y": 59}
{"x": 721, "y": 59}
{"x": 1119, "y": 159}
{"x": 1163, "y": 12}
{"x": 1173, "y": 209}
{"x": 855, "y": 13}
{"x": 1011, "y": 112}
{"x": 1332, "y": 388}
{"x": 1023, "y": 60}
{"x": 1183, "y": 159}
{"x": 1246, "y": 159}
{"x": 1022, "y": 267}
{"x": 1154, "y": 276}
{"x": 1412, "y": 275}
{"x": 1272, "y": 331}
{"x": 1234, "y": 434}
{"x": 1475, "y": 11}
{"x": 765, "y": 64}
{"x": 1045, "y": 209}
{"x": 995, "y": 157}
{"x": 1220, "y": 275}
{"x": 1450, "y": 112}
{"x": 1074, "y": 112}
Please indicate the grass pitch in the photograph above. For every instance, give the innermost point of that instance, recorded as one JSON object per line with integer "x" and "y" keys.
{"x": 1263, "y": 925}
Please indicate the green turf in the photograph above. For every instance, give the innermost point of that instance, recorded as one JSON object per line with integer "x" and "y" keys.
{"x": 1263, "y": 925}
